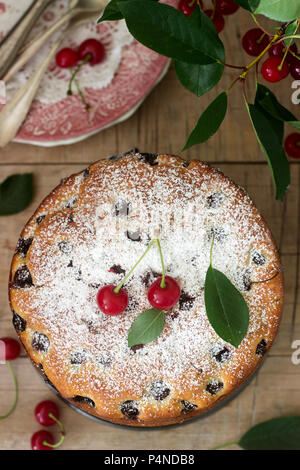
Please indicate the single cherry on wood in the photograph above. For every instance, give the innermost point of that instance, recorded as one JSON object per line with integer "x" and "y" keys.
{"x": 43, "y": 412}
{"x": 292, "y": 145}
{"x": 216, "y": 18}
{"x": 273, "y": 70}
{"x": 163, "y": 297}
{"x": 112, "y": 302}
{"x": 226, "y": 7}
{"x": 254, "y": 42}
{"x": 39, "y": 438}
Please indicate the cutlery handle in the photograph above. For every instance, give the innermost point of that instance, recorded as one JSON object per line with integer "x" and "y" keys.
{"x": 14, "y": 112}
{"x": 10, "y": 47}
{"x": 28, "y": 51}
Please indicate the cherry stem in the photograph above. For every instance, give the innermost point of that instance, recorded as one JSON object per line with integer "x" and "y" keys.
{"x": 259, "y": 25}
{"x": 87, "y": 58}
{"x": 162, "y": 284}
{"x": 213, "y": 10}
{"x": 62, "y": 433}
{"x": 260, "y": 38}
{"x": 287, "y": 50}
{"x": 211, "y": 250}
{"x": 228, "y": 444}
{"x": 240, "y": 67}
{"x": 86, "y": 104}
{"x": 16, "y": 392}
{"x": 117, "y": 289}
{"x": 295, "y": 55}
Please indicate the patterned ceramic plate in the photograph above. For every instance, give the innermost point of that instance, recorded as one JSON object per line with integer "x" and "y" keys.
{"x": 64, "y": 120}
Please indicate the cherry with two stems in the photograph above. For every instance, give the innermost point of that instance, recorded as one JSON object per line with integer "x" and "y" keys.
{"x": 47, "y": 414}
{"x": 12, "y": 351}
{"x": 90, "y": 51}
{"x": 163, "y": 294}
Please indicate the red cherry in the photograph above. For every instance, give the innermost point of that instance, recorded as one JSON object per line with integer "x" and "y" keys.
{"x": 39, "y": 437}
{"x": 111, "y": 303}
{"x": 164, "y": 298}
{"x": 66, "y": 58}
{"x": 188, "y": 6}
{"x": 290, "y": 58}
{"x": 292, "y": 145}
{"x": 277, "y": 50}
{"x": 254, "y": 42}
{"x": 226, "y": 7}
{"x": 271, "y": 72}
{"x": 42, "y": 411}
{"x": 295, "y": 69}
{"x": 94, "y": 48}
{"x": 12, "y": 348}
{"x": 218, "y": 19}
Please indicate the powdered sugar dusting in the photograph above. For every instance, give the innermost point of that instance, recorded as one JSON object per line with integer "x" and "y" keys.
{"x": 75, "y": 248}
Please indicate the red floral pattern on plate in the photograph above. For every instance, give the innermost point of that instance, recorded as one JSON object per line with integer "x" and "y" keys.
{"x": 67, "y": 121}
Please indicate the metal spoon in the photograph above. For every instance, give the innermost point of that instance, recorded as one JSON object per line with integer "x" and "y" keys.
{"x": 77, "y": 7}
{"x": 10, "y": 47}
{"x": 14, "y": 112}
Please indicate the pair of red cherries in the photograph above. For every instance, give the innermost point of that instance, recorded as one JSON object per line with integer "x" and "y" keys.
{"x": 274, "y": 68}
{"x": 113, "y": 302}
{"x": 163, "y": 294}
{"x": 90, "y": 50}
{"x": 222, "y": 8}
{"x": 47, "y": 414}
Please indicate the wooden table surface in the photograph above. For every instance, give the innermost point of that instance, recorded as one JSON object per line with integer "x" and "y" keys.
{"x": 161, "y": 125}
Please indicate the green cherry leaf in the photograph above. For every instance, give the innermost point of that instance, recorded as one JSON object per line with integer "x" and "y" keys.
{"x": 275, "y": 434}
{"x": 271, "y": 144}
{"x": 249, "y": 5}
{"x": 169, "y": 32}
{"x": 226, "y": 308}
{"x": 269, "y": 103}
{"x": 16, "y": 193}
{"x": 209, "y": 122}
{"x": 147, "y": 327}
{"x": 199, "y": 79}
{"x": 280, "y": 10}
{"x": 112, "y": 11}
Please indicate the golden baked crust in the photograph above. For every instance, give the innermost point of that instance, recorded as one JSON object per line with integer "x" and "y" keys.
{"x": 88, "y": 232}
